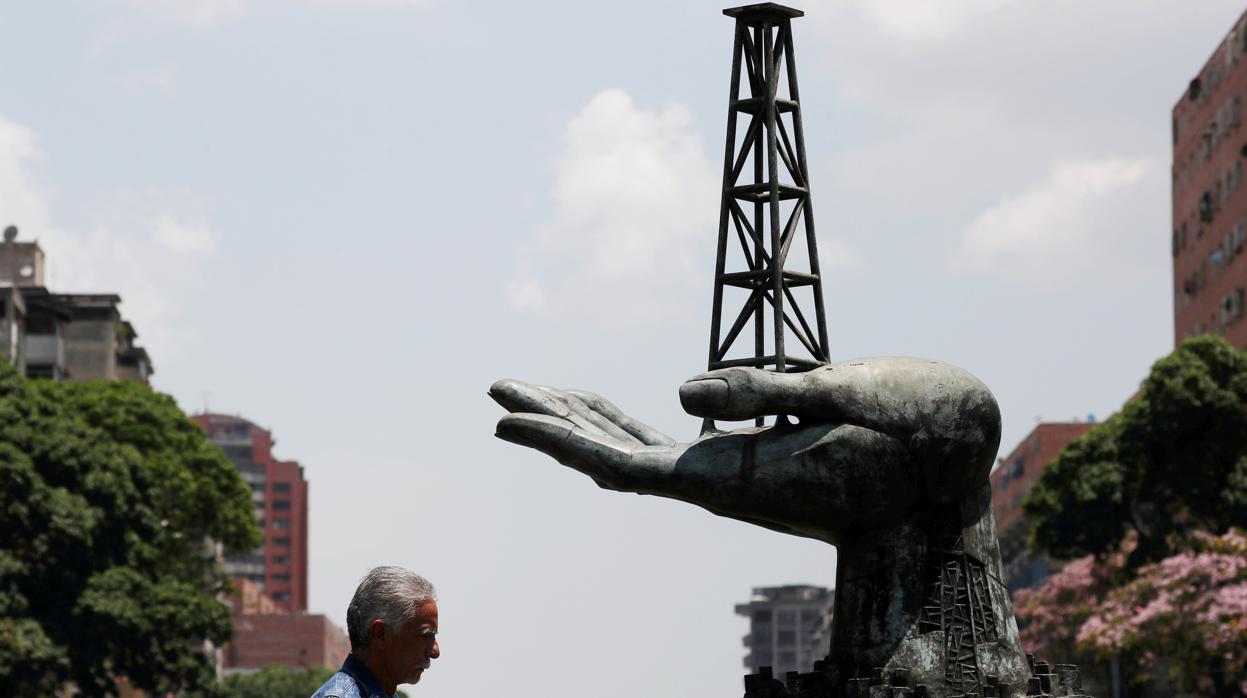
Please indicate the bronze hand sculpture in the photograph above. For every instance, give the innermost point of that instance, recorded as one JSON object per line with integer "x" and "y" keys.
{"x": 888, "y": 460}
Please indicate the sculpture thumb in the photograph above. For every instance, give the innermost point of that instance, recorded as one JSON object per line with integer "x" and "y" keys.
{"x": 744, "y": 393}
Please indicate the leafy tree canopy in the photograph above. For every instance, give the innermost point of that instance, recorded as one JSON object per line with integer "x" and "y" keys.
{"x": 275, "y": 681}
{"x": 1173, "y": 461}
{"x": 106, "y": 569}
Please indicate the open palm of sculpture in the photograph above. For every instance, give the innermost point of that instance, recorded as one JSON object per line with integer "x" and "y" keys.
{"x": 873, "y": 441}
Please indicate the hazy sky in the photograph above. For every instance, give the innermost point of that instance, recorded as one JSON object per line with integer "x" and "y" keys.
{"x": 343, "y": 219}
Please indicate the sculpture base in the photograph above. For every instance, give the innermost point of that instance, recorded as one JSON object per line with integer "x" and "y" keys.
{"x": 1046, "y": 681}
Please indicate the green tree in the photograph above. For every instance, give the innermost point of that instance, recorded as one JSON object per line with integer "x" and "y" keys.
{"x": 275, "y": 681}
{"x": 1173, "y": 461}
{"x": 110, "y": 498}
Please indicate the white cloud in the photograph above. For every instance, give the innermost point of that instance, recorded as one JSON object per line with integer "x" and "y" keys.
{"x": 918, "y": 19}
{"x": 635, "y": 200}
{"x": 635, "y": 218}
{"x": 210, "y": 12}
{"x": 1070, "y": 225}
{"x": 377, "y": 3}
{"x": 193, "y": 237}
{"x": 197, "y": 12}
{"x": 149, "y": 269}
{"x": 633, "y": 186}
{"x": 155, "y": 78}
{"x": 526, "y": 294}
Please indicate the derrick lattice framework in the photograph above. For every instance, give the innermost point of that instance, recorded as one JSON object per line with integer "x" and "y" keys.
{"x": 766, "y": 207}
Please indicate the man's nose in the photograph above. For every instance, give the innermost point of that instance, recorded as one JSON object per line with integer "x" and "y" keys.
{"x": 436, "y": 651}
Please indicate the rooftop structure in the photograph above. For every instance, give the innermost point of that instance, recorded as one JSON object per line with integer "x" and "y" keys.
{"x": 62, "y": 336}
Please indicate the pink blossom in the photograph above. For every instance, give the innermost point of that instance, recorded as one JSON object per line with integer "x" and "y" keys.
{"x": 1190, "y": 608}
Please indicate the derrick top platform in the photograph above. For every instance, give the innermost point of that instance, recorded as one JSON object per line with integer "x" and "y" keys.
{"x": 763, "y": 12}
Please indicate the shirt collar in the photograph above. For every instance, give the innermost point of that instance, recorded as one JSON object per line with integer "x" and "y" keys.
{"x": 367, "y": 682}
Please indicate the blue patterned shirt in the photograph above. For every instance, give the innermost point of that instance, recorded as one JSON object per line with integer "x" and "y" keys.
{"x": 352, "y": 681}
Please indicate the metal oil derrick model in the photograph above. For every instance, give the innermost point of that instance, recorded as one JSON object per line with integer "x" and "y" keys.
{"x": 766, "y": 203}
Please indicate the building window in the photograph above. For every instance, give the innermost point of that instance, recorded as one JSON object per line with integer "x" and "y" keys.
{"x": 787, "y": 659}
{"x": 281, "y": 486}
{"x": 281, "y": 559}
{"x": 281, "y": 596}
{"x": 283, "y": 542}
{"x": 283, "y": 577}
{"x": 283, "y": 524}
{"x": 281, "y": 504}
{"x": 786, "y": 637}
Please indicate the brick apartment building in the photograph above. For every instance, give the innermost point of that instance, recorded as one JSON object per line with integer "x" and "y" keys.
{"x": 1209, "y": 198}
{"x": 1011, "y": 482}
{"x": 264, "y": 635}
{"x": 279, "y": 566}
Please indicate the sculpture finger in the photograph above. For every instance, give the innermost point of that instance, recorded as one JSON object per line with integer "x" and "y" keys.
{"x": 602, "y": 458}
{"x": 643, "y": 432}
{"x": 520, "y": 397}
{"x": 578, "y": 406}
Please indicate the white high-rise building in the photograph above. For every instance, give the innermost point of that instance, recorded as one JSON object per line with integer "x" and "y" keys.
{"x": 787, "y": 627}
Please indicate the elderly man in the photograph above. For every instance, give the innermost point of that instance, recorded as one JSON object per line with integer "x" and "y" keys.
{"x": 392, "y": 624}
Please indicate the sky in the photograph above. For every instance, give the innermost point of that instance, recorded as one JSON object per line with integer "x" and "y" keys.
{"x": 344, "y": 219}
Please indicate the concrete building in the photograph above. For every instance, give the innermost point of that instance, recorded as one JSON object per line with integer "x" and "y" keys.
{"x": 279, "y": 491}
{"x": 62, "y": 336}
{"x": 1209, "y": 199}
{"x": 1011, "y": 482}
{"x": 789, "y": 627}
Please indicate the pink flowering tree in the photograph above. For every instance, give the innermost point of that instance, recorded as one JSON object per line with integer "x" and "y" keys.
{"x": 1127, "y": 503}
{"x": 1190, "y": 609}
{"x": 1187, "y": 612}
{"x": 1052, "y": 614}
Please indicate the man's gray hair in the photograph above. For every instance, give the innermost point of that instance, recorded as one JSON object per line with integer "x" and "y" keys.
{"x": 389, "y": 594}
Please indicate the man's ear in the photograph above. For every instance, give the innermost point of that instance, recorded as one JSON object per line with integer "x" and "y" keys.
{"x": 376, "y": 633}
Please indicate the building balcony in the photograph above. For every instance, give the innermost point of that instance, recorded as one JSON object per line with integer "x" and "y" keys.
{"x": 45, "y": 349}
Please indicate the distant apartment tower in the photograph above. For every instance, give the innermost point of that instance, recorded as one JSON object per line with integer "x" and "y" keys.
{"x": 1209, "y": 199}
{"x": 62, "y": 336}
{"x": 279, "y": 492}
{"x": 788, "y": 627}
{"x": 1011, "y": 482}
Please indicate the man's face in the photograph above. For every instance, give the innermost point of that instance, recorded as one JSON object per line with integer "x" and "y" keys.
{"x": 409, "y": 652}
